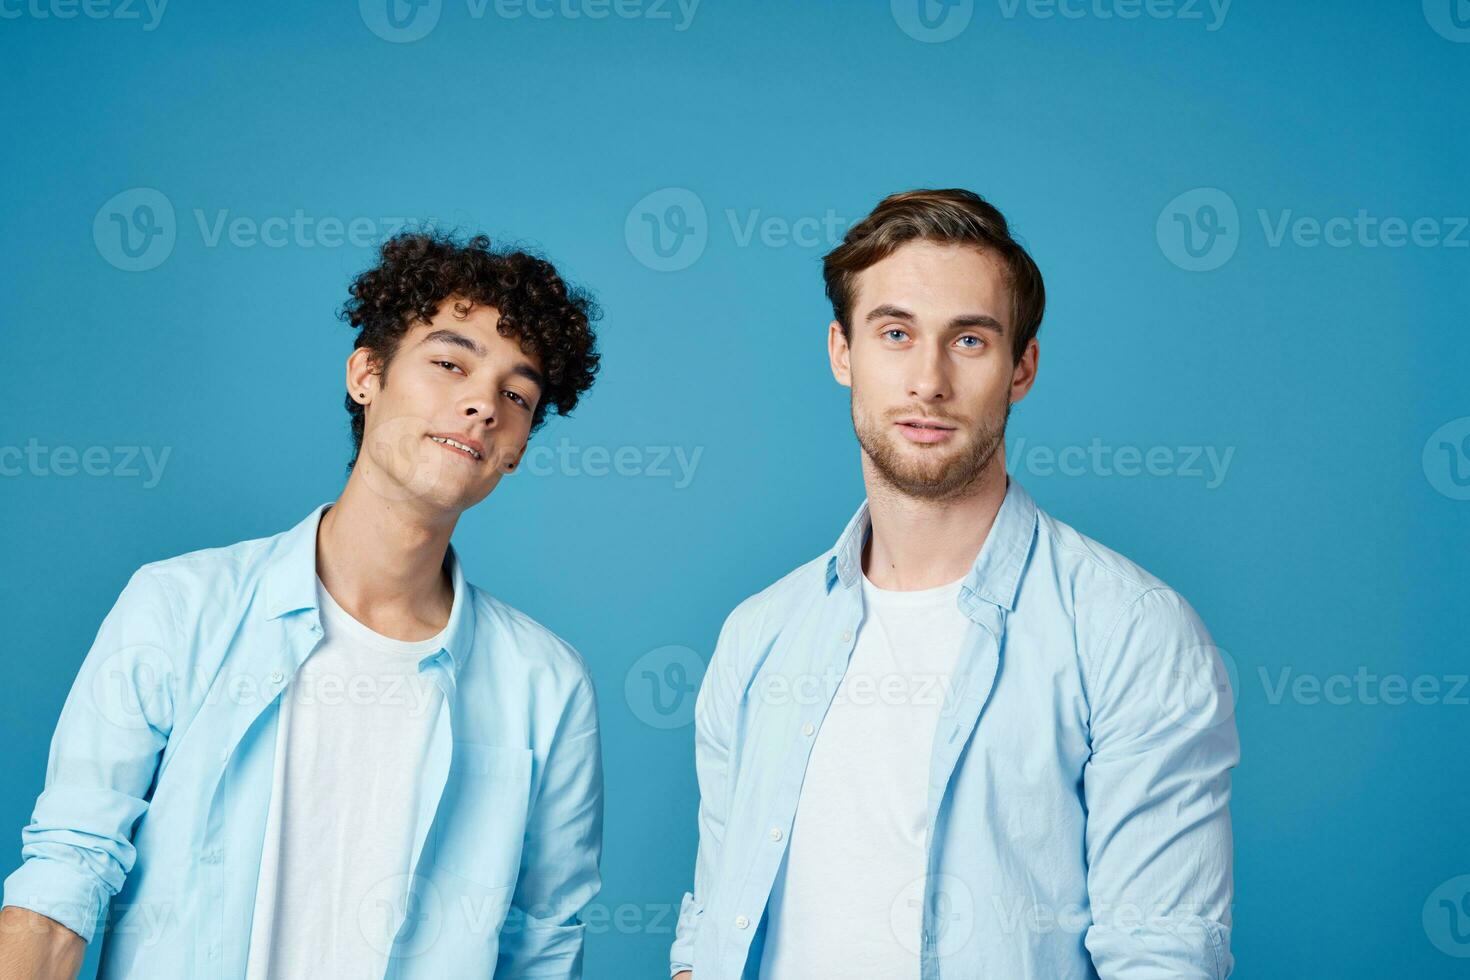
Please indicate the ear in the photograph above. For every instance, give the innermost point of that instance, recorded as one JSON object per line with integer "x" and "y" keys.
{"x": 1023, "y": 375}
{"x": 511, "y": 460}
{"x": 840, "y": 354}
{"x": 362, "y": 378}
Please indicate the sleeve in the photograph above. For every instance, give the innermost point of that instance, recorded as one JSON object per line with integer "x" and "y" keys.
{"x": 543, "y": 933}
{"x": 714, "y": 717}
{"x": 1157, "y": 790}
{"x": 77, "y": 850}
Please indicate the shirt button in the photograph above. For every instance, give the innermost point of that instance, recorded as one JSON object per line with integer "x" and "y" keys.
{"x": 741, "y": 922}
{"x": 214, "y": 952}
{"x": 808, "y": 729}
{"x": 775, "y": 833}
{"x": 276, "y": 677}
{"x": 846, "y": 635}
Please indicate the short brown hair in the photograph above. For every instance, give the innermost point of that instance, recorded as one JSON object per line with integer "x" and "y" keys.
{"x": 953, "y": 216}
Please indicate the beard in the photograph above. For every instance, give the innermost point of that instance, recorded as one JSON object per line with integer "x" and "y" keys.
{"x": 929, "y": 473}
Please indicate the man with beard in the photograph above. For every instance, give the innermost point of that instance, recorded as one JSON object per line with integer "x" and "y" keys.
{"x": 967, "y": 741}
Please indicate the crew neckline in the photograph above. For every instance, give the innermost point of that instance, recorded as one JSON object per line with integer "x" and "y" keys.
{"x": 911, "y": 597}
{"x": 341, "y": 618}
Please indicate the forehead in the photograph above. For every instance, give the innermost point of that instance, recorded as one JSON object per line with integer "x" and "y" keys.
{"x": 479, "y": 325}
{"x": 935, "y": 279}
{"x": 479, "y": 320}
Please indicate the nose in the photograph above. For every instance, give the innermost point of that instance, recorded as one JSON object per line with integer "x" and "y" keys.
{"x": 929, "y": 381}
{"x": 479, "y": 409}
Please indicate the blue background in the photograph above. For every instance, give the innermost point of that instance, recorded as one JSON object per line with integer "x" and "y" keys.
{"x": 1334, "y": 544}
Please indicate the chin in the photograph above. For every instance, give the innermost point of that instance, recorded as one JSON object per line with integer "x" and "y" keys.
{"x": 930, "y": 454}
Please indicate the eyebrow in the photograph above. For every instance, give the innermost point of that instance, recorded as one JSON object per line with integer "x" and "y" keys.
{"x": 888, "y": 311}
{"x": 530, "y": 374}
{"x": 456, "y": 339}
{"x": 472, "y": 345}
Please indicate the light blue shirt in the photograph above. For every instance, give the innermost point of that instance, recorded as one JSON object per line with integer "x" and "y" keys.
{"x": 159, "y": 777}
{"x": 1079, "y": 777}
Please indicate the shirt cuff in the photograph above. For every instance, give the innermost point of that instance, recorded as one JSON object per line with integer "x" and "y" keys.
{"x": 682, "y": 952}
{"x": 59, "y": 892}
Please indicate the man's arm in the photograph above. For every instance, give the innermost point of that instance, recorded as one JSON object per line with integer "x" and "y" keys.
{"x": 714, "y": 720}
{"x": 543, "y": 932}
{"x": 33, "y": 947}
{"x": 77, "y": 850}
{"x": 1157, "y": 788}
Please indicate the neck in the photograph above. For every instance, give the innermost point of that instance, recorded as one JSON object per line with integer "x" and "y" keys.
{"x": 922, "y": 544}
{"x": 382, "y": 561}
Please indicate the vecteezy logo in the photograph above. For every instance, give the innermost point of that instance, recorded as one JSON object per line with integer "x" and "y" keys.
{"x": 667, "y": 230}
{"x": 1199, "y": 230}
{"x": 135, "y": 230}
{"x": 400, "y": 21}
{"x": 945, "y": 925}
{"x": 129, "y": 689}
{"x": 1447, "y": 459}
{"x": 399, "y": 916}
{"x": 1449, "y": 18}
{"x": 402, "y": 463}
{"x": 661, "y": 686}
{"x": 1447, "y": 917}
{"x": 1197, "y": 689}
{"x": 932, "y": 21}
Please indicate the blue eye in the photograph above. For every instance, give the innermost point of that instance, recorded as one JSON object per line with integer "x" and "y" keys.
{"x": 894, "y": 330}
{"x": 977, "y": 341}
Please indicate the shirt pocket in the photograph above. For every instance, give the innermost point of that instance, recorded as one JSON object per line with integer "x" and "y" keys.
{"x": 481, "y": 825}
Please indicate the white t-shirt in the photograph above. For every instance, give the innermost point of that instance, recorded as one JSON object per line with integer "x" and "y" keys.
{"x": 355, "y": 728}
{"x": 847, "y": 900}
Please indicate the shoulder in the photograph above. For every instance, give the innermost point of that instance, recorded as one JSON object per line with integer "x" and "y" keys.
{"x": 783, "y": 599}
{"x": 1098, "y": 582}
{"x": 1084, "y": 559}
{"x": 1123, "y": 613}
{"x": 204, "y": 578}
{"x": 752, "y": 628}
{"x": 510, "y": 633}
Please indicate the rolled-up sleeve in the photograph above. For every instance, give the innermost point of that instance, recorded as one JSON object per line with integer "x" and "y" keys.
{"x": 77, "y": 849}
{"x": 543, "y": 934}
{"x": 1157, "y": 789}
{"x": 714, "y": 714}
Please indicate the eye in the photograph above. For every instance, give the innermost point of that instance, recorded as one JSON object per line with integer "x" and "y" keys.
{"x": 517, "y": 399}
{"x": 975, "y": 342}
{"x": 895, "y": 334}
{"x": 449, "y": 365}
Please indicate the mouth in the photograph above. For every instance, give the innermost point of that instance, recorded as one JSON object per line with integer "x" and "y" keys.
{"x": 924, "y": 430}
{"x": 472, "y": 450}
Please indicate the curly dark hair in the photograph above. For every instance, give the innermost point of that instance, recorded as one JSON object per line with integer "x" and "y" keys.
{"x": 419, "y": 270}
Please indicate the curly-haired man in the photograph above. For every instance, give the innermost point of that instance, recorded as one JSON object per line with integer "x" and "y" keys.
{"x": 324, "y": 753}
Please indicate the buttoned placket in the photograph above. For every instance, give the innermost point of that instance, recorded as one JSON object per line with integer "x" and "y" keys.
{"x": 977, "y": 666}
{"x": 846, "y": 615}
{"x": 303, "y": 633}
{"x": 432, "y": 779}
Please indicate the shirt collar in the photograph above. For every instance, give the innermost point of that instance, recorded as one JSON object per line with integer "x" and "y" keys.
{"x": 996, "y": 574}
{"x": 290, "y": 584}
